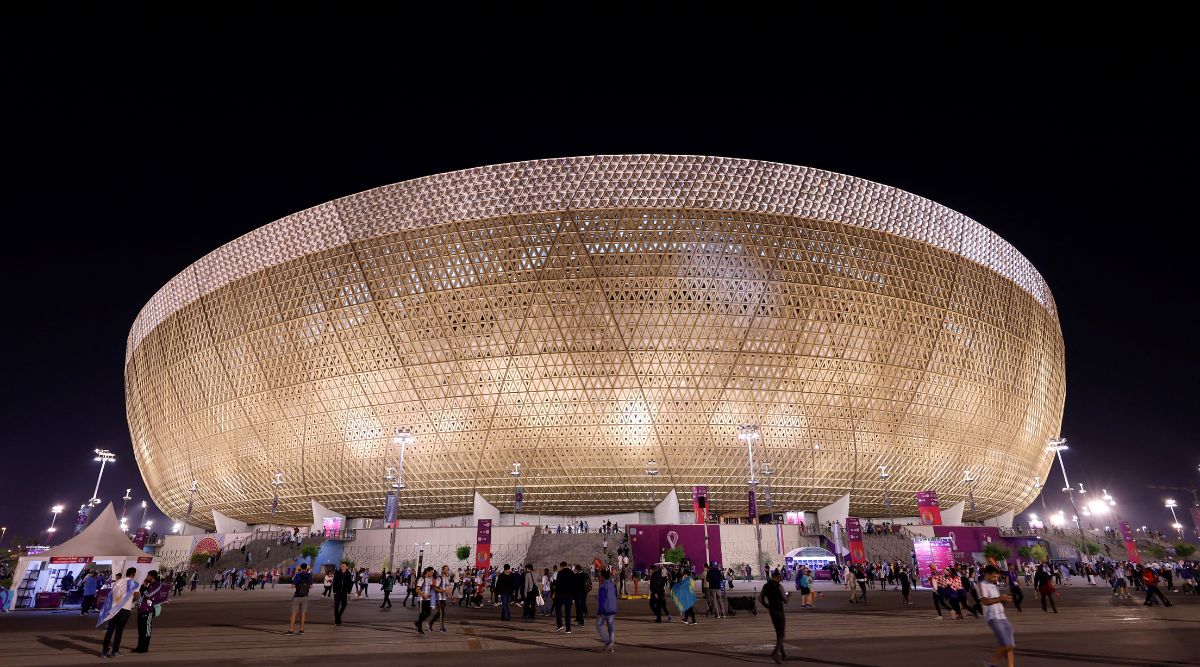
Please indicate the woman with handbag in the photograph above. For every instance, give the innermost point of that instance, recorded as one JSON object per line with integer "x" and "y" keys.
{"x": 1044, "y": 583}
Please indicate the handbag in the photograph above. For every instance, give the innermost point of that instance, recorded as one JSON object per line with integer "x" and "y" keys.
{"x": 541, "y": 601}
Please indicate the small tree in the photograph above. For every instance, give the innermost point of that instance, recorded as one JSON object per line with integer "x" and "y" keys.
{"x": 1184, "y": 550}
{"x": 199, "y": 559}
{"x": 1156, "y": 551}
{"x": 674, "y": 555}
{"x": 996, "y": 551}
{"x": 310, "y": 551}
{"x": 463, "y": 552}
{"x": 1034, "y": 554}
{"x": 1087, "y": 547}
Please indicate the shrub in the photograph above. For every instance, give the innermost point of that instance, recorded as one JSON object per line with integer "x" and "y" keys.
{"x": 1156, "y": 551}
{"x": 199, "y": 559}
{"x": 1087, "y": 547}
{"x": 310, "y": 551}
{"x": 1035, "y": 554}
{"x": 996, "y": 550}
{"x": 463, "y": 552}
{"x": 675, "y": 555}
{"x": 1184, "y": 550}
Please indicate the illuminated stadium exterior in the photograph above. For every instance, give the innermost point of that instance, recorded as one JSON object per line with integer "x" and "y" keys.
{"x": 584, "y": 316}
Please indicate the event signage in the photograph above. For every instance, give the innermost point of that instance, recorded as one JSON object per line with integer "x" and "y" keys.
{"x": 392, "y": 503}
{"x": 72, "y": 560}
{"x": 753, "y": 506}
{"x": 701, "y": 512}
{"x": 520, "y": 497}
{"x": 82, "y": 518}
{"x": 483, "y": 544}
{"x": 145, "y": 559}
{"x": 1130, "y": 543}
{"x": 968, "y": 542}
{"x": 139, "y": 538}
{"x": 927, "y": 505}
{"x": 649, "y": 542}
{"x": 938, "y": 551}
{"x": 858, "y": 553}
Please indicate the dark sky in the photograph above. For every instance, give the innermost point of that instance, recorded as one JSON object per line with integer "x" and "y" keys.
{"x": 135, "y": 144}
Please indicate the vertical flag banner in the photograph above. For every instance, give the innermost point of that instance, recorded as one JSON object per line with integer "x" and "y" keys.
{"x": 140, "y": 538}
{"x": 1130, "y": 543}
{"x": 753, "y": 506}
{"x": 858, "y": 553}
{"x": 779, "y": 539}
{"x": 699, "y": 492}
{"x": 274, "y": 506}
{"x": 81, "y": 519}
{"x": 520, "y": 497}
{"x": 483, "y": 544}
{"x": 393, "y": 502}
{"x": 927, "y": 506}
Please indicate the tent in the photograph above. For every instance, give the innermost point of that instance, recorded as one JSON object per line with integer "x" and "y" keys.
{"x": 36, "y": 579}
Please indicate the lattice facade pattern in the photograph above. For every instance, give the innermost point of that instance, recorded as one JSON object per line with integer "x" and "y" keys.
{"x": 583, "y": 316}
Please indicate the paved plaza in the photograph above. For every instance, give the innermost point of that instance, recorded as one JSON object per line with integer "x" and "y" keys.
{"x": 247, "y": 627}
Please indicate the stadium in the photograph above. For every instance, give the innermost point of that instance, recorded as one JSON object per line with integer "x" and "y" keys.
{"x": 612, "y": 324}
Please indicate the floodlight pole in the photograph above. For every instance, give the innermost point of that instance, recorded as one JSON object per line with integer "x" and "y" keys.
{"x": 1057, "y": 446}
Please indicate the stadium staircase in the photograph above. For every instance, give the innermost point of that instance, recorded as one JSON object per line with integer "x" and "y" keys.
{"x": 548, "y": 549}
{"x": 281, "y": 555}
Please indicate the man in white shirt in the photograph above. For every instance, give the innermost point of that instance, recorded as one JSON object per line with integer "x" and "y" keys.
{"x": 993, "y": 613}
{"x": 117, "y": 608}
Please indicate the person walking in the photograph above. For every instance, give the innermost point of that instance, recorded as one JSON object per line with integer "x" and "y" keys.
{"x": 1150, "y": 581}
{"x": 1014, "y": 587}
{"x": 564, "y": 595}
{"x": 529, "y": 583}
{"x": 115, "y": 614}
{"x": 715, "y": 578}
{"x": 683, "y": 591}
{"x": 504, "y": 587}
{"x": 773, "y": 597}
{"x": 658, "y": 592}
{"x": 606, "y": 611}
{"x": 328, "y": 583}
{"x": 153, "y": 594}
{"x": 343, "y": 584}
{"x": 302, "y": 582}
{"x": 993, "y": 612}
{"x": 1043, "y": 581}
{"x": 583, "y": 586}
{"x": 547, "y": 600}
{"x": 905, "y": 585}
{"x": 386, "y": 582}
{"x": 445, "y": 584}
{"x": 428, "y": 593}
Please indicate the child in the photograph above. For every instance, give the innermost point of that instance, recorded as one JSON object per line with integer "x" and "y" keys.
{"x": 993, "y": 612}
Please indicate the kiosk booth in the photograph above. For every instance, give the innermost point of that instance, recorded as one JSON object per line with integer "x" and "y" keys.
{"x": 814, "y": 558}
{"x": 102, "y": 547}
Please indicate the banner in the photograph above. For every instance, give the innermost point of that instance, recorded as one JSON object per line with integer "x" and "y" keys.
{"x": 699, "y": 492}
{"x": 483, "y": 544}
{"x": 967, "y": 542}
{"x": 139, "y": 538}
{"x": 648, "y": 542}
{"x": 858, "y": 553}
{"x": 779, "y": 539}
{"x": 393, "y": 502}
{"x": 927, "y": 505}
{"x": 939, "y": 551}
{"x": 1130, "y": 543}
{"x": 520, "y": 497}
{"x": 274, "y": 506}
{"x": 81, "y": 519}
{"x": 71, "y": 559}
{"x": 753, "y": 506}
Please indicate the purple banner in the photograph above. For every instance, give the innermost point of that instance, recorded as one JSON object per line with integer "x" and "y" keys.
{"x": 483, "y": 544}
{"x": 927, "y": 507}
{"x": 753, "y": 506}
{"x": 520, "y": 499}
{"x": 649, "y": 541}
{"x": 967, "y": 542}
{"x": 937, "y": 551}
{"x": 139, "y": 538}
{"x": 393, "y": 503}
{"x": 81, "y": 519}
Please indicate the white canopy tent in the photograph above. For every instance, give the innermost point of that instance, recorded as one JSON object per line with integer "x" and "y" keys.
{"x": 101, "y": 543}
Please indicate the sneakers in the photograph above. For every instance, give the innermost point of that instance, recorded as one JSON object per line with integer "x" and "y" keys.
{"x": 561, "y": 628}
{"x": 568, "y": 632}
{"x": 442, "y": 630}
{"x": 289, "y": 633}
{"x": 300, "y": 633}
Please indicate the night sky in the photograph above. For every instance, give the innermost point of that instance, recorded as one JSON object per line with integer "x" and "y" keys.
{"x": 134, "y": 145}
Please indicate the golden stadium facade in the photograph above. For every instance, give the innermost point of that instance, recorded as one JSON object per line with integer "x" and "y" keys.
{"x": 584, "y": 316}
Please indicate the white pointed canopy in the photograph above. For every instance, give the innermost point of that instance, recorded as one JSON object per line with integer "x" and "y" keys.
{"x": 102, "y": 539}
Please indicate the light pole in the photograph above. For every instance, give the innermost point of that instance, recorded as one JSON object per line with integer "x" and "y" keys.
{"x": 103, "y": 456}
{"x": 143, "y": 513}
{"x": 1171, "y": 505}
{"x": 766, "y": 473}
{"x": 125, "y": 504}
{"x": 1057, "y": 446}
{"x": 516, "y": 475}
{"x": 970, "y": 482}
{"x": 421, "y": 556}
{"x": 402, "y": 438}
{"x": 277, "y": 482}
{"x": 54, "y": 512}
{"x": 1037, "y": 484}
{"x": 749, "y": 433}
{"x": 884, "y": 475}
{"x": 3, "y": 532}
{"x": 187, "y": 516}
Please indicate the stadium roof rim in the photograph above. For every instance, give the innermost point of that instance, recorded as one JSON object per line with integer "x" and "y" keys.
{"x": 594, "y": 182}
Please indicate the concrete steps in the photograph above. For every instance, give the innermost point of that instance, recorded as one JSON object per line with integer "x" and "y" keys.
{"x": 546, "y": 550}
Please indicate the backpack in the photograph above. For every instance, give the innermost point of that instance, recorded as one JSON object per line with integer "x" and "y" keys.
{"x": 587, "y": 584}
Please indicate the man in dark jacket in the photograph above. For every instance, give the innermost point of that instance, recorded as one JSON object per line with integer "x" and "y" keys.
{"x": 343, "y": 583}
{"x": 583, "y": 586}
{"x": 658, "y": 589}
{"x": 504, "y": 587}
{"x": 564, "y": 595}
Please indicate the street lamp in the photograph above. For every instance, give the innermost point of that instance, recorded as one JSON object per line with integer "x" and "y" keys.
{"x": 970, "y": 482}
{"x": 421, "y": 557}
{"x": 516, "y": 475}
{"x": 3, "y": 532}
{"x": 1171, "y": 505}
{"x": 103, "y": 456}
{"x": 143, "y": 512}
{"x": 54, "y": 512}
{"x": 766, "y": 473}
{"x": 394, "y": 477}
{"x": 277, "y": 483}
{"x": 1037, "y": 484}
{"x": 652, "y": 468}
{"x": 749, "y": 433}
{"x": 403, "y": 438}
{"x": 125, "y": 504}
{"x": 1058, "y": 445}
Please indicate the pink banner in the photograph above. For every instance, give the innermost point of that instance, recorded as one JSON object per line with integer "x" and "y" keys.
{"x": 858, "y": 554}
{"x": 927, "y": 505}
{"x": 701, "y": 513}
{"x": 939, "y": 551}
{"x": 1130, "y": 543}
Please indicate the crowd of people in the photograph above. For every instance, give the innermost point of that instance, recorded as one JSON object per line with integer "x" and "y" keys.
{"x": 608, "y": 527}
